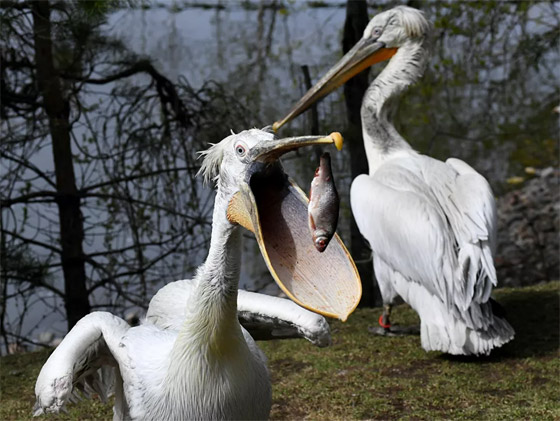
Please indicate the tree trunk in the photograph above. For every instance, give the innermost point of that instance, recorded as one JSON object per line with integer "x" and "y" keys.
{"x": 57, "y": 108}
{"x": 354, "y": 90}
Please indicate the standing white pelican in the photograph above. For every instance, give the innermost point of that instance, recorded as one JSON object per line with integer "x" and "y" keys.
{"x": 431, "y": 225}
{"x": 209, "y": 367}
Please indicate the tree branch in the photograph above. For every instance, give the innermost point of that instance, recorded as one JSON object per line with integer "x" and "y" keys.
{"x": 152, "y": 205}
{"x": 150, "y": 244}
{"x": 86, "y": 189}
{"x": 32, "y": 241}
{"x": 142, "y": 66}
{"x": 29, "y": 166}
{"x": 6, "y": 203}
{"x": 151, "y": 263}
{"x": 165, "y": 88}
{"x": 36, "y": 283}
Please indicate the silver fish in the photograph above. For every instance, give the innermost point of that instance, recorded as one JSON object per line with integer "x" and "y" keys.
{"x": 323, "y": 204}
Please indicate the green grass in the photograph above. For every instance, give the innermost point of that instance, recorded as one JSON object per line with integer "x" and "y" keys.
{"x": 362, "y": 376}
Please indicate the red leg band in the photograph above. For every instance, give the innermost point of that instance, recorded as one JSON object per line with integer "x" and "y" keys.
{"x": 383, "y": 325}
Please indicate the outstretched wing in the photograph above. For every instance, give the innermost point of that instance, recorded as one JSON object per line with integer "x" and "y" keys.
{"x": 264, "y": 316}
{"x": 434, "y": 223}
{"x": 85, "y": 361}
{"x": 267, "y": 317}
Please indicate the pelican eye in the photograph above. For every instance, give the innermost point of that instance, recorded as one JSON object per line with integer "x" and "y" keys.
{"x": 376, "y": 31}
{"x": 240, "y": 149}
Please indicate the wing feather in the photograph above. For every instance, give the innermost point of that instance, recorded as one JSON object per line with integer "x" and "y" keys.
{"x": 84, "y": 362}
{"x": 268, "y": 317}
{"x": 467, "y": 200}
{"x": 405, "y": 228}
{"x": 433, "y": 222}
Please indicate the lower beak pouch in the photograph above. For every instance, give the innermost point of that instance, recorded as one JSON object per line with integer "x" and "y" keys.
{"x": 275, "y": 210}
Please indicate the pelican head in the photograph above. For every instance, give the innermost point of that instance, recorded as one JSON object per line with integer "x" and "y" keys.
{"x": 264, "y": 200}
{"x": 385, "y": 34}
{"x": 232, "y": 162}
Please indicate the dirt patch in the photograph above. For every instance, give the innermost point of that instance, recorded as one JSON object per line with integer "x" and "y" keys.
{"x": 414, "y": 368}
{"x": 384, "y": 415}
{"x": 500, "y": 393}
{"x": 282, "y": 410}
{"x": 285, "y": 367}
{"x": 289, "y": 365}
{"x": 538, "y": 381}
{"x": 348, "y": 372}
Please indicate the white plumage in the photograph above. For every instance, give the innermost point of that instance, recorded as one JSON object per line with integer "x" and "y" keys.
{"x": 191, "y": 360}
{"x": 263, "y": 316}
{"x": 431, "y": 225}
{"x": 433, "y": 247}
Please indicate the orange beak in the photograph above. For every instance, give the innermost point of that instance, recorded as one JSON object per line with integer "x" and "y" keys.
{"x": 364, "y": 54}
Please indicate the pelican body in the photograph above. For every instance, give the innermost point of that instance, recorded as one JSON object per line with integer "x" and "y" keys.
{"x": 200, "y": 363}
{"x": 431, "y": 224}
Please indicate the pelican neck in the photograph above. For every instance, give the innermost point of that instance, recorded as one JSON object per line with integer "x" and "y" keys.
{"x": 211, "y": 314}
{"x": 381, "y": 139}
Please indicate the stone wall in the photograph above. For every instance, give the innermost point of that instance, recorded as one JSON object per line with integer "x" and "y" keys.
{"x": 528, "y": 231}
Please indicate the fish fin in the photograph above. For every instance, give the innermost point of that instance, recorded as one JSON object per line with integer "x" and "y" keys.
{"x": 312, "y": 222}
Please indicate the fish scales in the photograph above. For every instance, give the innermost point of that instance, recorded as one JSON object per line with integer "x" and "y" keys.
{"x": 323, "y": 204}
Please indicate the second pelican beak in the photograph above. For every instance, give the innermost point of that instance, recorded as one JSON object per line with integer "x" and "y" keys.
{"x": 274, "y": 208}
{"x": 364, "y": 54}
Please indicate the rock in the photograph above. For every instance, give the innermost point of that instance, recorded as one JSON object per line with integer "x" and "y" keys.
{"x": 16, "y": 348}
{"x": 48, "y": 338}
{"x": 528, "y": 226}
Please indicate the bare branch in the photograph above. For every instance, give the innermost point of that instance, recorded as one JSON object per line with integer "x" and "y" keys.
{"x": 32, "y": 241}
{"x": 37, "y": 283}
{"x": 196, "y": 219}
{"x": 6, "y": 203}
{"x": 165, "y": 88}
{"x": 86, "y": 189}
{"x": 29, "y": 166}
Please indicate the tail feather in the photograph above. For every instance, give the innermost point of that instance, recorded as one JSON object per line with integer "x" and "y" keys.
{"x": 457, "y": 335}
{"x": 475, "y": 331}
{"x": 477, "y": 273}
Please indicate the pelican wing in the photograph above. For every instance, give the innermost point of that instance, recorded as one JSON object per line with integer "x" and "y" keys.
{"x": 168, "y": 307}
{"x": 401, "y": 220}
{"x": 267, "y": 317}
{"x": 83, "y": 362}
{"x": 434, "y": 223}
{"x": 475, "y": 202}
{"x": 264, "y": 316}
{"x": 467, "y": 201}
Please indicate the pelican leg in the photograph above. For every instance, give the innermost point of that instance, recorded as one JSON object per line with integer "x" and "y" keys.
{"x": 386, "y": 329}
{"x": 384, "y": 320}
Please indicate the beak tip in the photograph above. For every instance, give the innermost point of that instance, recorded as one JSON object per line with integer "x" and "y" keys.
{"x": 338, "y": 140}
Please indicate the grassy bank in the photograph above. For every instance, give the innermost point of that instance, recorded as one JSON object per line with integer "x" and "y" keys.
{"x": 368, "y": 377}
